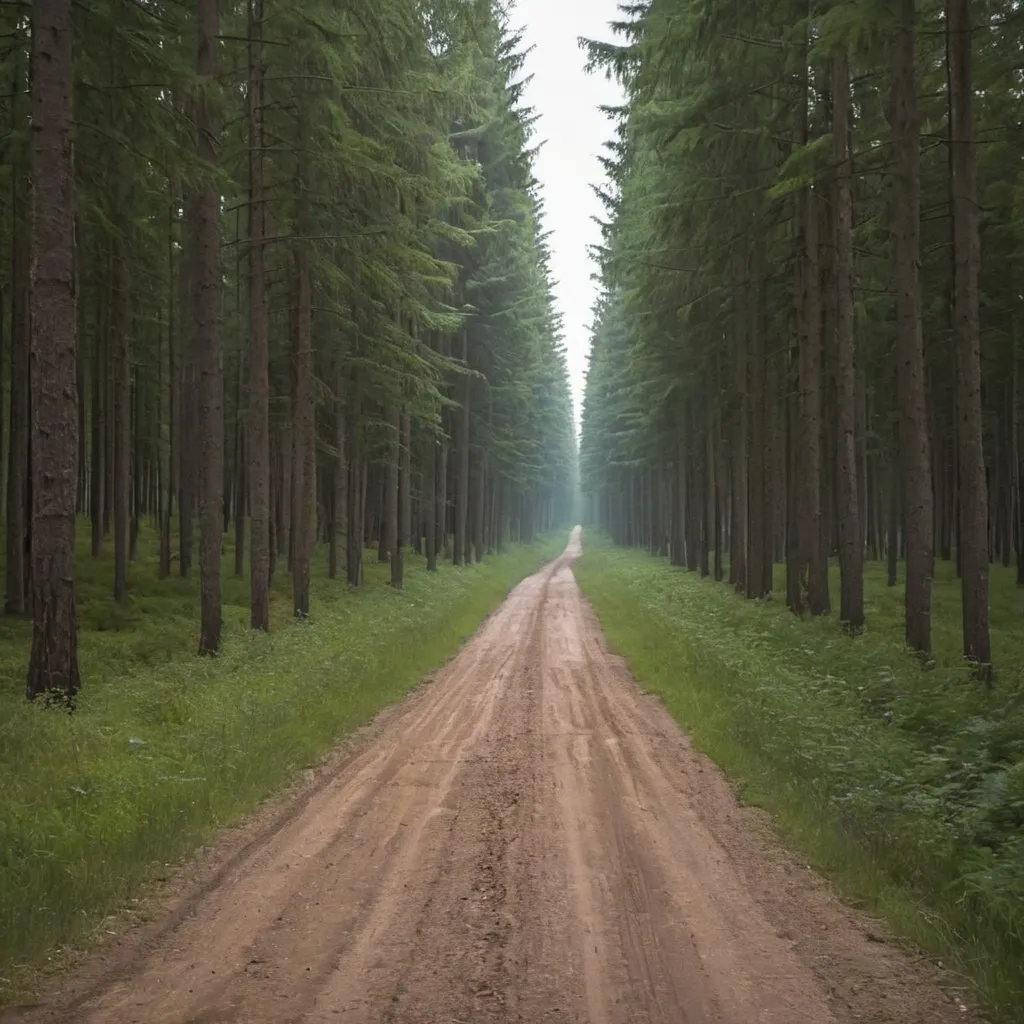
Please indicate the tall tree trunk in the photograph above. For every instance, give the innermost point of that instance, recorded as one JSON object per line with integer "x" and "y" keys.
{"x": 98, "y": 430}
{"x": 137, "y": 463}
{"x": 756, "y": 511}
{"x": 356, "y": 496}
{"x": 16, "y": 578}
{"x": 81, "y": 387}
{"x": 392, "y": 514}
{"x": 339, "y": 515}
{"x": 188, "y": 447}
{"x": 810, "y": 525}
{"x": 892, "y": 551}
{"x": 794, "y": 584}
{"x": 851, "y": 550}
{"x": 122, "y": 418}
{"x": 430, "y": 503}
{"x": 405, "y": 483}
{"x": 304, "y": 465}
{"x": 771, "y": 481}
{"x": 913, "y": 420}
{"x": 173, "y": 455}
{"x": 479, "y": 492}
{"x": 967, "y": 247}
{"x": 208, "y": 352}
{"x": 738, "y": 459}
{"x": 677, "y": 522}
{"x": 284, "y": 483}
{"x": 53, "y": 665}
{"x": 461, "y": 546}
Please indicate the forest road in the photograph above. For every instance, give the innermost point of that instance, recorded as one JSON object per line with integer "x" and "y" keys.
{"x": 527, "y": 838}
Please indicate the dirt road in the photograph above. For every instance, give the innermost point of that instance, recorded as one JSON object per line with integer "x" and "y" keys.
{"x": 527, "y": 838}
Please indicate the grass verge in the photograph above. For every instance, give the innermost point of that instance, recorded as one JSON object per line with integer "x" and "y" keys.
{"x": 903, "y": 785}
{"x": 166, "y": 748}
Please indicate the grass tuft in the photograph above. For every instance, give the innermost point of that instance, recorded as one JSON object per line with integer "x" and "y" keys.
{"x": 903, "y": 783}
{"x": 165, "y": 747}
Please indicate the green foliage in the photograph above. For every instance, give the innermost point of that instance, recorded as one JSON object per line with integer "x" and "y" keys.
{"x": 906, "y": 785}
{"x": 166, "y": 748}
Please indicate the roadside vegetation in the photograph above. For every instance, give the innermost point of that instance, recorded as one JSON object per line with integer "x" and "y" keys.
{"x": 902, "y": 782}
{"x": 165, "y": 748}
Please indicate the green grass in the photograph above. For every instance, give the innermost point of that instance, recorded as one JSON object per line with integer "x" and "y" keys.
{"x": 920, "y": 821}
{"x": 166, "y": 748}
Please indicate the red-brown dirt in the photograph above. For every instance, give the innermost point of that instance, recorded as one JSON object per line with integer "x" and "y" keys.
{"x": 527, "y": 838}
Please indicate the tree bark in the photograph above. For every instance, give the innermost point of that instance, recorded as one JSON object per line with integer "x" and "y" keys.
{"x": 756, "y": 511}
{"x": 430, "y": 503}
{"x": 405, "y": 482}
{"x": 207, "y": 340}
{"x": 173, "y": 456}
{"x": 53, "y": 665}
{"x": 913, "y": 420}
{"x": 122, "y": 419}
{"x": 851, "y": 551}
{"x": 738, "y": 459}
{"x": 461, "y": 546}
{"x": 98, "y": 416}
{"x": 810, "y": 526}
{"x": 16, "y": 576}
{"x": 304, "y": 464}
{"x": 339, "y": 511}
{"x": 967, "y": 338}
{"x": 356, "y": 495}
{"x": 392, "y": 513}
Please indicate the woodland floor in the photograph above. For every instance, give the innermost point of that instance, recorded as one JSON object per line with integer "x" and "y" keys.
{"x": 528, "y": 837}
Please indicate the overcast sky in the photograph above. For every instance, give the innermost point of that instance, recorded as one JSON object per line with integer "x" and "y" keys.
{"x": 573, "y": 130}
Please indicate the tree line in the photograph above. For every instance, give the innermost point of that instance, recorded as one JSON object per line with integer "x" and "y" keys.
{"x": 271, "y": 270}
{"x": 807, "y": 343}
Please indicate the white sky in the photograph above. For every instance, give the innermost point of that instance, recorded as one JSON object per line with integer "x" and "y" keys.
{"x": 573, "y": 130}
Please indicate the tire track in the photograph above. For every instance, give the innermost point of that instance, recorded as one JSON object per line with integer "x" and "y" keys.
{"x": 528, "y": 839}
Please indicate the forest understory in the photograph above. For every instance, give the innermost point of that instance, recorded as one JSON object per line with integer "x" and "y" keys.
{"x": 904, "y": 784}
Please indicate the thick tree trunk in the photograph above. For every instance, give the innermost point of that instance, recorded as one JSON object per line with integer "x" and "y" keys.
{"x": 967, "y": 329}
{"x": 53, "y": 665}
{"x": 851, "y": 551}
{"x": 913, "y": 420}
{"x": 208, "y": 354}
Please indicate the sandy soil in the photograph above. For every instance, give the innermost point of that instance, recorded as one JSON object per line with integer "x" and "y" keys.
{"x": 526, "y": 838}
